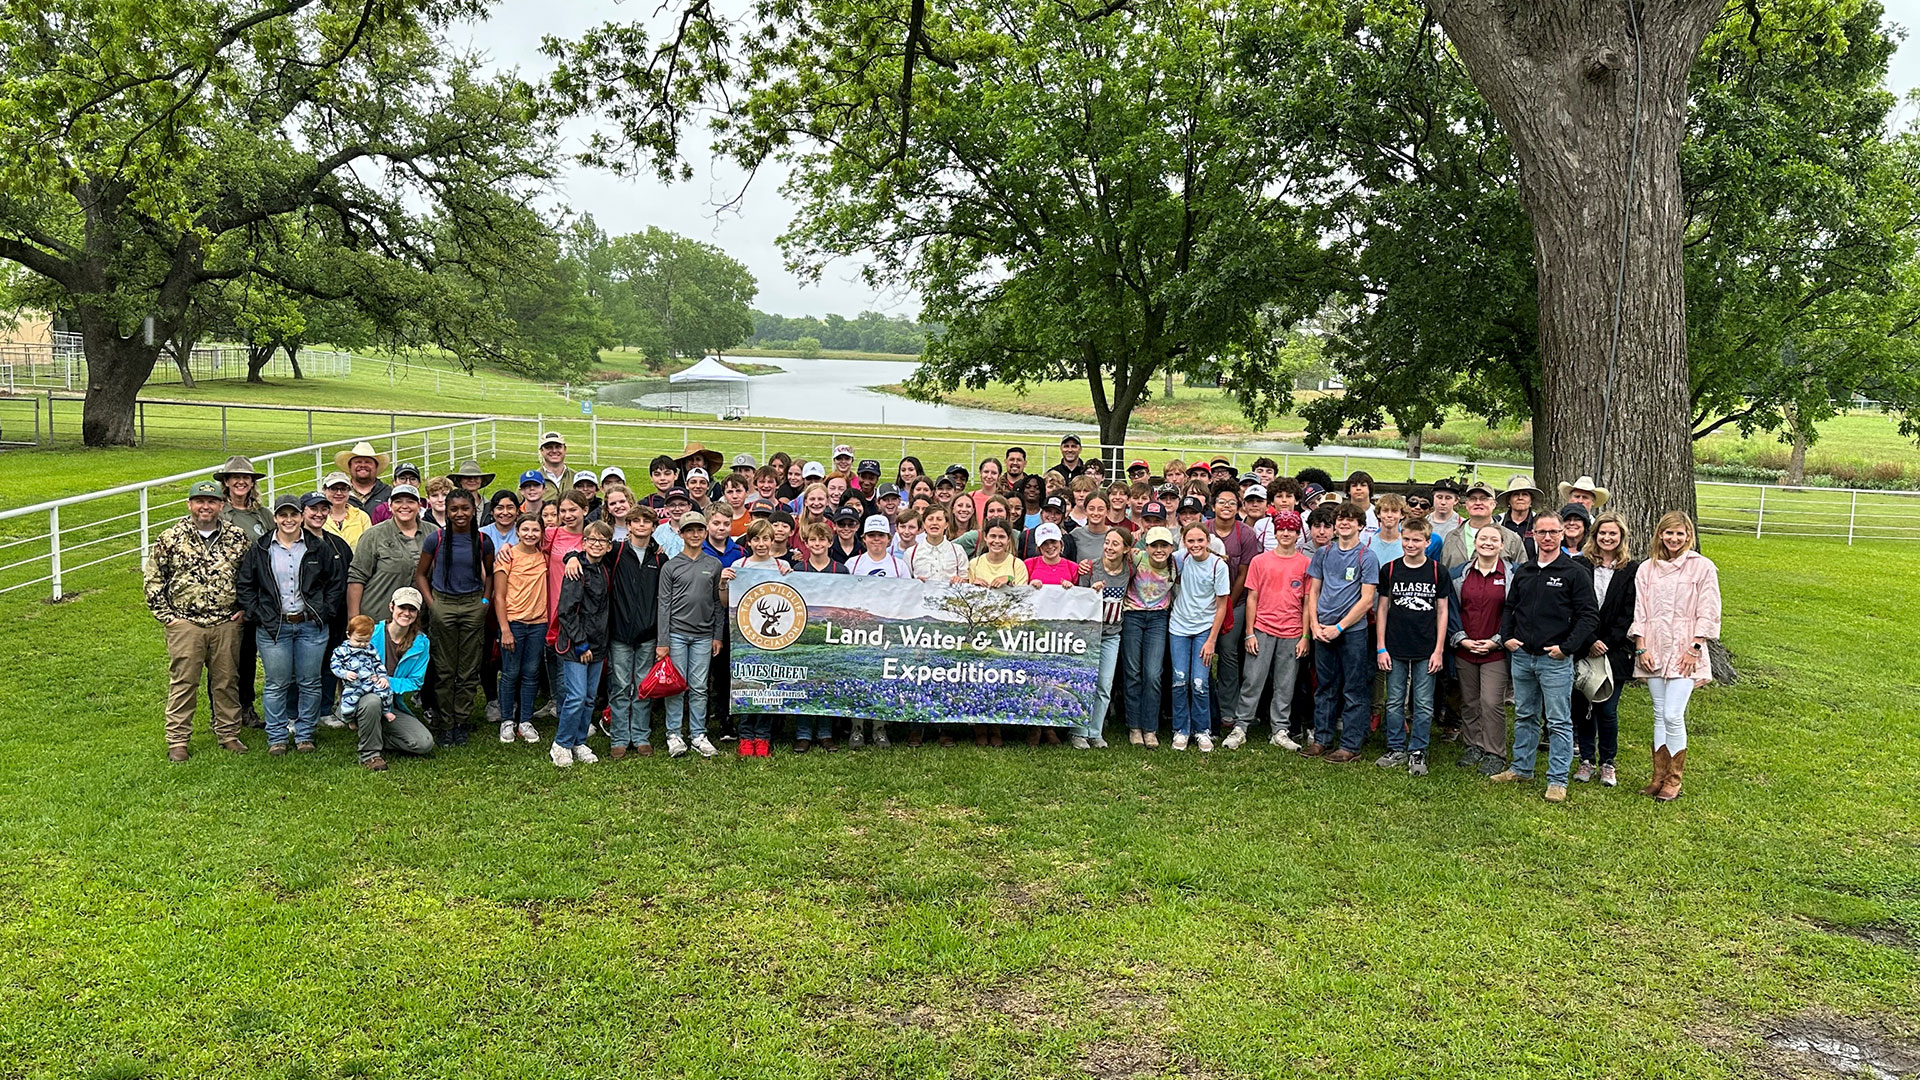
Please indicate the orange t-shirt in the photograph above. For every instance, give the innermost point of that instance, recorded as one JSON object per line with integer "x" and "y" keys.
{"x": 526, "y": 578}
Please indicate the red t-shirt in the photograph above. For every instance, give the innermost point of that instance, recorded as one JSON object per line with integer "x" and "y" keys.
{"x": 1281, "y": 581}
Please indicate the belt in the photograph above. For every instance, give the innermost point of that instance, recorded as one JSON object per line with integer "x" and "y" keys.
{"x": 299, "y": 616}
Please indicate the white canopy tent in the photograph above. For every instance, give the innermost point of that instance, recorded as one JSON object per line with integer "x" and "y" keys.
{"x": 711, "y": 370}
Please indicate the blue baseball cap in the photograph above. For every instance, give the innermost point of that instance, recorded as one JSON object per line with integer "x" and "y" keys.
{"x": 532, "y": 476}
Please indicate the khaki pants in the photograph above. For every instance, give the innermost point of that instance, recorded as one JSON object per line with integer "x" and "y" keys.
{"x": 1483, "y": 713}
{"x": 192, "y": 650}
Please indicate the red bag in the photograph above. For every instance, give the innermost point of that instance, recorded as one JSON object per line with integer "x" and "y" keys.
{"x": 663, "y": 681}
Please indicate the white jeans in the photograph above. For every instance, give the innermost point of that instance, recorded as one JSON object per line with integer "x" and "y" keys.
{"x": 1670, "y": 712}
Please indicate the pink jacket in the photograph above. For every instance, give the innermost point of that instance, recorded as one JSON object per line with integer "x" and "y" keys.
{"x": 1677, "y": 600}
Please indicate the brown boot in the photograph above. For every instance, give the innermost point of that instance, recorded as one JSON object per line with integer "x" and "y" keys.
{"x": 1660, "y": 762}
{"x": 1670, "y": 787}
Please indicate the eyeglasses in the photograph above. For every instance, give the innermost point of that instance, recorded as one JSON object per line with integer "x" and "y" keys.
{"x": 1546, "y": 532}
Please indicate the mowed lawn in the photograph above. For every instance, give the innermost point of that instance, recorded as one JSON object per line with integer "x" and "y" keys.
{"x": 963, "y": 913}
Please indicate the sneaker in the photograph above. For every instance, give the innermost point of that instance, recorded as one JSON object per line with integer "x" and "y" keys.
{"x": 1098, "y": 743}
{"x": 1136, "y": 737}
{"x": 1607, "y": 777}
{"x": 1584, "y": 774}
{"x": 1392, "y": 759}
{"x": 1490, "y": 765}
{"x": 766, "y": 747}
{"x": 546, "y": 712}
{"x": 1179, "y": 741}
{"x": 1284, "y": 741}
{"x": 251, "y": 718}
{"x": 332, "y": 720}
{"x": 704, "y": 747}
{"x": 506, "y": 731}
{"x": 493, "y": 712}
{"x": 1236, "y": 738}
{"x": 1417, "y": 763}
{"x": 1508, "y": 776}
{"x": 1556, "y": 793}
{"x": 1079, "y": 742}
{"x": 1153, "y": 739}
{"x": 1206, "y": 742}
{"x": 1342, "y": 756}
{"x": 1470, "y": 757}
{"x": 880, "y": 737}
{"x": 560, "y": 755}
{"x": 583, "y": 755}
{"x": 676, "y": 746}
{"x": 527, "y": 733}
{"x": 858, "y": 739}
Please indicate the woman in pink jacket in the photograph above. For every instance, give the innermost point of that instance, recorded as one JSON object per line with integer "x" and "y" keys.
{"x": 1676, "y": 611}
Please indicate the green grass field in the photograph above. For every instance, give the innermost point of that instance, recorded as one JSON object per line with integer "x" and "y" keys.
{"x": 963, "y": 913}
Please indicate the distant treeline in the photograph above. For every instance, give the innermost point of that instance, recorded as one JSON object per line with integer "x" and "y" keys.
{"x": 870, "y": 331}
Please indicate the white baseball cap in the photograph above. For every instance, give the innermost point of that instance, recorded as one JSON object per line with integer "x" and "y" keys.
{"x": 588, "y": 475}
{"x": 1255, "y": 491}
{"x": 1046, "y": 531}
{"x": 877, "y": 524}
{"x": 813, "y": 470}
{"x": 843, "y": 450}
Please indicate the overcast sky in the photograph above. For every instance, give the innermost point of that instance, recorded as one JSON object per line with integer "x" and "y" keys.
{"x": 748, "y": 231}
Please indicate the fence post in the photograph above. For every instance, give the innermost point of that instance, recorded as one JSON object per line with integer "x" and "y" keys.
{"x": 1853, "y": 511}
{"x": 593, "y": 437}
{"x": 1759, "y": 519}
{"x": 309, "y": 425}
{"x": 53, "y": 540}
{"x": 1346, "y": 470}
{"x": 763, "y": 446}
{"x": 269, "y": 499}
{"x": 317, "y": 473}
{"x": 493, "y": 438}
{"x": 49, "y": 418}
{"x": 143, "y": 522}
{"x": 143, "y": 422}
{"x": 36, "y": 423}
{"x": 223, "y": 430}
{"x": 453, "y": 447}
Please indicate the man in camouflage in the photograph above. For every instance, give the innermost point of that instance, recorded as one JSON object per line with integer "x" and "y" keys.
{"x": 190, "y": 584}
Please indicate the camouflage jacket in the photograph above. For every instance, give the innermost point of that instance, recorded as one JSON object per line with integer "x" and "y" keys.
{"x": 194, "y": 579}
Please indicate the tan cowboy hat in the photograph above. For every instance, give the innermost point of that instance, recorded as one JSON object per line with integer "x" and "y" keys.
{"x": 697, "y": 454}
{"x": 471, "y": 467}
{"x": 1519, "y": 484}
{"x": 361, "y": 449}
{"x": 1585, "y": 483}
{"x": 237, "y": 466}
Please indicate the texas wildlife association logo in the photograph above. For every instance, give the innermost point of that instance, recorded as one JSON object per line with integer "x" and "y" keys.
{"x": 771, "y": 616}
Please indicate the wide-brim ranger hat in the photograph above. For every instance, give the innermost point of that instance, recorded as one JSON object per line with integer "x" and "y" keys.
{"x": 1585, "y": 483}
{"x": 361, "y": 449}
{"x": 238, "y": 466}
{"x": 1593, "y": 678}
{"x": 1519, "y": 484}
{"x": 469, "y": 469}
{"x": 697, "y": 454}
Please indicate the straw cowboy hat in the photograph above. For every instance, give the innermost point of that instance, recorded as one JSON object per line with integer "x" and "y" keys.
{"x": 468, "y": 468}
{"x": 1518, "y": 484}
{"x": 237, "y": 466}
{"x": 1585, "y": 483}
{"x": 361, "y": 449}
{"x": 696, "y": 454}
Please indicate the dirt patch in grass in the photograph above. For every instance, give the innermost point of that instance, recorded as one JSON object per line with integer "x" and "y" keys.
{"x": 1817, "y": 1045}
{"x": 1891, "y": 935}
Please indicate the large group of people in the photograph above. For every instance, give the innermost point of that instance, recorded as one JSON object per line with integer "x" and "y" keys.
{"x": 405, "y": 611}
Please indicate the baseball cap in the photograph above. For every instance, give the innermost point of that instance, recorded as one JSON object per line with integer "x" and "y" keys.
{"x": 1287, "y": 519}
{"x": 586, "y": 476}
{"x": 1256, "y": 491}
{"x": 532, "y": 476}
{"x": 407, "y": 596}
{"x": 887, "y": 491}
{"x": 743, "y": 461}
{"x": 843, "y": 451}
{"x": 206, "y": 489}
{"x": 552, "y": 437}
{"x": 876, "y": 524}
{"x": 846, "y": 513}
{"x": 760, "y": 506}
{"x": 1480, "y": 487}
{"x": 869, "y": 466}
{"x": 1046, "y": 531}
{"x": 1159, "y": 534}
{"x": 286, "y": 501}
{"x": 692, "y": 519}
{"x": 408, "y": 468}
{"x": 335, "y": 479}
{"x": 611, "y": 473}
{"x": 1154, "y": 509}
{"x": 813, "y": 470}
{"x": 1069, "y": 438}
{"x": 1310, "y": 492}
{"x": 312, "y": 499}
{"x": 673, "y": 493}
{"x": 946, "y": 480}
{"x": 1141, "y": 464}
{"x": 1192, "y": 505}
{"x": 399, "y": 490}
{"x": 1055, "y": 502}
{"x": 699, "y": 472}
{"x": 958, "y": 470}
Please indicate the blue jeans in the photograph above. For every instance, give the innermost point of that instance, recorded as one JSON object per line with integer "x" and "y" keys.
{"x": 1344, "y": 669}
{"x": 578, "y": 681}
{"x": 1542, "y": 685}
{"x": 692, "y": 654}
{"x": 1143, "y": 650}
{"x": 1096, "y": 721}
{"x": 812, "y": 728}
{"x": 292, "y": 664}
{"x": 632, "y": 723}
{"x": 1409, "y": 679}
{"x": 1192, "y": 704}
{"x": 520, "y": 671}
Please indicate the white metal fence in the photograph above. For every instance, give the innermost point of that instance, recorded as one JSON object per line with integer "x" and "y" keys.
{"x": 48, "y": 543}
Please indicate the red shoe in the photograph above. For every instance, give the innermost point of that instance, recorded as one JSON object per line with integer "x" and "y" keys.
{"x": 766, "y": 747}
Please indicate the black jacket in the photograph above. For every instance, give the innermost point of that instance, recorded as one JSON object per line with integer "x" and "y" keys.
{"x": 583, "y": 607}
{"x": 635, "y": 593}
{"x": 323, "y": 583}
{"x": 1551, "y": 605}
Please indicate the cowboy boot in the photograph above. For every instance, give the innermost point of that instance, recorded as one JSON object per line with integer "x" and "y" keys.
{"x": 1660, "y": 761}
{"x": 1670, "y": 789}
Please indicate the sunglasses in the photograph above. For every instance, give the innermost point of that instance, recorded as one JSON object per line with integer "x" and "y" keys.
{"x": 1418, "y": 504}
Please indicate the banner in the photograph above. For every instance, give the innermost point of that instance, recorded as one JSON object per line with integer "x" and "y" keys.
{"x": 907, "y": 651}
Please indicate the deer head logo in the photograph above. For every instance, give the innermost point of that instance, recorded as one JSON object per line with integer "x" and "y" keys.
{"x": 771, "y": 615}
{"x": 771, "y": 610}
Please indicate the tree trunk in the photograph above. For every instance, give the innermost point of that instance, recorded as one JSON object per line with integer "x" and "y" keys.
{"x": 1797, "y": 461}
{"x": 181, "y": 347}
{"x": 1561, "y": 77}
{"x": 1414, "y": 438}
{"x": 293, "y": 359}
{"x": 117, "y": 367}
{"x": 258, "y": 357}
